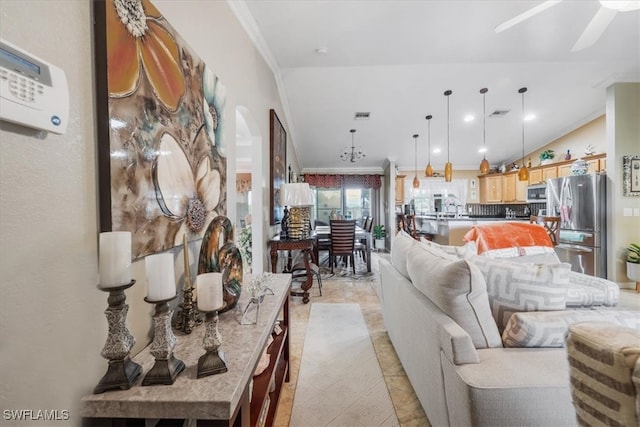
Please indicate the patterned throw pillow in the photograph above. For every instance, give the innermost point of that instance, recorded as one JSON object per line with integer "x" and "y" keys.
{"x": 513, "y": 287}
{"x": 587, "y": 291}
{"x": 458, "y": 289}
{"x": 549, "y": 328}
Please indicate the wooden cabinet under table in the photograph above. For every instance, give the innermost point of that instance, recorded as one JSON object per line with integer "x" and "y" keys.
{"x": 216, "y": 400}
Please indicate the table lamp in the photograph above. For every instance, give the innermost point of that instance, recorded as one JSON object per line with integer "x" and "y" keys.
{"x": 299, "y": 198}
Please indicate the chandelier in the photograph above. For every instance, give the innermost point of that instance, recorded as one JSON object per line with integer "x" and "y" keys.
{"x": 352, "y": 153}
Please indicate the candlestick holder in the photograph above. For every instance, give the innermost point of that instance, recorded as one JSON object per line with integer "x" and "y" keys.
{"x": 213, "y": 361}
{"x": 187, "y": 317}
{"x": 122, "y": 371}
{"x": 167, "y": 367}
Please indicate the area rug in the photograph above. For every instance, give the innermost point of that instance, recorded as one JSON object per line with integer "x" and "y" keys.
{"x": 340, "y": 382}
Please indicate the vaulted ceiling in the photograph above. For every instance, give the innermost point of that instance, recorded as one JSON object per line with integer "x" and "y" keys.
{"x": 395, "y": 59}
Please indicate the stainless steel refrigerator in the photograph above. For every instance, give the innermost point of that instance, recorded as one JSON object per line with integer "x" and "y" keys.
{"x": 580, "y": 202}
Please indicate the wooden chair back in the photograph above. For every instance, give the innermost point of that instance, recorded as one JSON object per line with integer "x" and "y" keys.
{"x": 343, "y": 236}
{"x": 551, "y": 225}
{"x": 368, "y": 224}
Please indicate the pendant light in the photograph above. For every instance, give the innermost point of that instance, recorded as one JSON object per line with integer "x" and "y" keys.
{"x": 429, "y": 170}
{"x": 484, "y": 164}
{"x": 416, "y": 181}
{"x": 523, "y": 174}
{"x": 448, "y": 167}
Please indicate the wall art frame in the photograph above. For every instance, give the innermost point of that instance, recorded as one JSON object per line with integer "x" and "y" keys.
{"x": 162, "y": 168}
{"x": 278, "y": 166}
{"x": 631, "y": 176}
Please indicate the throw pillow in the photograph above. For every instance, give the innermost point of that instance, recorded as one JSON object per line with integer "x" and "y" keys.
{"x": 513, "y": 287}
{"x": 549, "y": 328}
{"x": 458, "y": 289}
{"x": 464, "y": 251}
{"x": 400, "y": 247}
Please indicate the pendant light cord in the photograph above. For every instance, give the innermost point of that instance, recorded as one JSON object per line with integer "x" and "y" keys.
{"x": 522, "y": 91}
{"x": 484, "y": 123}
{"x": 448, "y": 126}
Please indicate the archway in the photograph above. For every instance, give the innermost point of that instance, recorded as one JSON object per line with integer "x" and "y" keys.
{"x": 249, "y": 173}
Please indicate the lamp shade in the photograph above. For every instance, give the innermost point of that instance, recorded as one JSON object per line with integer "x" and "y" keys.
{"x": 296, "y": 194}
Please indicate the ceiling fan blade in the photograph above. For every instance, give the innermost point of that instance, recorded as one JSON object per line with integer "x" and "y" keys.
{"x": 526, "y": 15}
{"x": 596, "y": 27}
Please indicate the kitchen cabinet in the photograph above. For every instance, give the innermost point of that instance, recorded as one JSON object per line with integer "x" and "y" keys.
{"x": 521, "y": 190}
{"x": 400, "y": 189}
{"x": 490, "y": 188}
{"x": 509, "y": 187}
{"x": 549, "y": 172}
{"x": 535, "y": 176}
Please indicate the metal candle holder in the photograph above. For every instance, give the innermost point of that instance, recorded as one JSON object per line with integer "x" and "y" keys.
{"x": 212, "y": 362}
{"x": 122, "y": 371}
{"x": 167, "y": 367}
{"x": 188, "y": 316}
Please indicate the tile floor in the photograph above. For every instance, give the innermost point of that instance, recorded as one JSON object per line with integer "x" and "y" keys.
{"x": 363, "y": 292}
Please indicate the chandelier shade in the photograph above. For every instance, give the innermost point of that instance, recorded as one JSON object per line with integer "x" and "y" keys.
{"x": 484, "y": 164}
{"x": 428, "y": 171}
{"x": 352, "y": 154}
{"x": 416, "y": 181}
{"x": 448, "y": 167}
{"x": 523, "y": 173}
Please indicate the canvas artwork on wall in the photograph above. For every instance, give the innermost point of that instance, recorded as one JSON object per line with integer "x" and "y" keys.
{"x": 161, "y": 140}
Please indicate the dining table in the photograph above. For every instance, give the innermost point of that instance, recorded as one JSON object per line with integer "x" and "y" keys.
{"x": 324, "y": 232}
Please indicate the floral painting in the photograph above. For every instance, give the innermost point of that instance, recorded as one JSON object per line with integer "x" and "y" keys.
{"x": 161, "y": 144}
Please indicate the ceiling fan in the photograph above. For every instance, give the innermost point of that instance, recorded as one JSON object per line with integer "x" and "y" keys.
{"x": 603, "y": 17}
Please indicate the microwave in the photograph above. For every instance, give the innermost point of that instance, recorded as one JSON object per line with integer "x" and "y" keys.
{"x": 537, "y": 193}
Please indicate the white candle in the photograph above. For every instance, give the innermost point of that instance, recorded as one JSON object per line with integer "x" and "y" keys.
{"x": 161, "y": 281}
{"x": 115, "y": 258}
{"x": 209, "y": 288}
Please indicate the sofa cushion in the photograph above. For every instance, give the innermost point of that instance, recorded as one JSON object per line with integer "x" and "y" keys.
{"x": 464, "y": 251}
{"x": 549, "y": 328}
{"x": 588, "y": 291}
{"x": 400, "y": 247}
{"x": 458, "y": 289}
{"x": 514, "y": 287}
{"x": 604, "y": 368}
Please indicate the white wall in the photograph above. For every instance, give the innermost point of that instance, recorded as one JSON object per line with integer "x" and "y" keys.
{"x": 52, "y": 325}
{"x": 623, "y": 139}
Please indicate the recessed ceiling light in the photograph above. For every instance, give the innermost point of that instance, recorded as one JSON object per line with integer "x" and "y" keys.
{"x": 529, "y": 117}
{"x": 469, "y": 118}
{"x": 436, "y": 150}
{"x": 482, "y": 150}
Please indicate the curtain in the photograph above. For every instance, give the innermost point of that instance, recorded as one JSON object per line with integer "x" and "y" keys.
{"x": 344, "y": 181}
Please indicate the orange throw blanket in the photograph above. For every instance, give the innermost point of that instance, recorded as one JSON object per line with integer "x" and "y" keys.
{"x": 507, "y": 235}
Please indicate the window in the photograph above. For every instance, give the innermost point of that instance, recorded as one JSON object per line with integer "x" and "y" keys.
{"x": 345, "y": 203}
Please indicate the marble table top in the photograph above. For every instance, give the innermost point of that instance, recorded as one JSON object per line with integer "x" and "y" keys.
{"x": 212, "y": 397}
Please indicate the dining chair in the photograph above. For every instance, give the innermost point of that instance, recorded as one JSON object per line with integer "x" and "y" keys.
{"x": 300, "y": 271}
{"x": 343, "y": 241}
{"x": 551, "y": 224}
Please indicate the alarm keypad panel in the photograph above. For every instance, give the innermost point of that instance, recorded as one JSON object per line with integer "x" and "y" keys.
{"x": 33, "y": 93}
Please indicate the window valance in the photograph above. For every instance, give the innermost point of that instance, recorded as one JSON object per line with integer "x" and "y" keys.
{"x": 344, "y": 181}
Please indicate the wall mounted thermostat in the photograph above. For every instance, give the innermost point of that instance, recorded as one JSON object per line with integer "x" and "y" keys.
{"x": 33, "y": 93}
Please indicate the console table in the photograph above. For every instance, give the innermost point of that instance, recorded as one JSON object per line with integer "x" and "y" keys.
{"x": 304, "y": 245}
{"x": 218, "y": 400}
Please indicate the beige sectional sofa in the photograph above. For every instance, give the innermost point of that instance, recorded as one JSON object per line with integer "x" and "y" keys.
{"x": 440, "y": 318}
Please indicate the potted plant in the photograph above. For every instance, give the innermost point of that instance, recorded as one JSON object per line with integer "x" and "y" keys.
{"x": 547, "y": 156}
{"x": 633, "y": 263}
{"x": 379, "y": 234}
